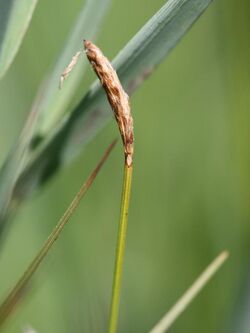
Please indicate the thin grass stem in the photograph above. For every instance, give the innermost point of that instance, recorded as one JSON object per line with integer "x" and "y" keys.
{"x": 120, "y": 250}
{"x": 7, "y": 307}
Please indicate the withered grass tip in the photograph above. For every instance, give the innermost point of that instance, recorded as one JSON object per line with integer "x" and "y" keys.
{"x": 117, "y": 97}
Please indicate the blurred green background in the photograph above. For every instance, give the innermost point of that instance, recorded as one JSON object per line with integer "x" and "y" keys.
{"x": 190, "y": 195}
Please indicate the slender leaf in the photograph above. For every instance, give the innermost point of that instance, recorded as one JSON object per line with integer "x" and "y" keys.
{"x": 15, "y": 17}
{"x": 170, "y": 317}
{"x": 15, "y": 295}
{"x": 134, "y": 64}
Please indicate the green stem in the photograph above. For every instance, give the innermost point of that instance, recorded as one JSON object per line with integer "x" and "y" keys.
{"x": 16, "y": 293}
{"x": 114, "y": 311}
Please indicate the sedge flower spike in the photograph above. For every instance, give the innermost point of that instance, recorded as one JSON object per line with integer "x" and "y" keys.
{"x": 119, "y": 102}
{"x": 117, "y": 97}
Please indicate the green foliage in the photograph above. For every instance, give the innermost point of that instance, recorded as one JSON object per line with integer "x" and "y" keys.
{"x": 51, "y": 104}
{"x": 192, "y": 154}
{"x": 15, "y": 17}
{"x": 134, "y": 63}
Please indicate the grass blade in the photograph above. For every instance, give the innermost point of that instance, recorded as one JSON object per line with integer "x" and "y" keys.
{"x": 16, "y": 293}
{"x": 14, "y": 164}
{"x": 171, "y": 316}
{"x": 134, "y": 63}
{"x": 15, "y": 17}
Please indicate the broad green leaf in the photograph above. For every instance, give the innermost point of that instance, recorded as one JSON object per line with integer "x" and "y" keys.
{"x": 134, "y": 64}
{"x": 15, "y": 17}
{"x": 51, "y": 103}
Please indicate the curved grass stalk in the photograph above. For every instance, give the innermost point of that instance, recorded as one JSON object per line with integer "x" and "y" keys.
{"x": 16, "y": 293}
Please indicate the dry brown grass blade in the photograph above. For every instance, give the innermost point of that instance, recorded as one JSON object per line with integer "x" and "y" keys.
{"x": 17, "y": 293}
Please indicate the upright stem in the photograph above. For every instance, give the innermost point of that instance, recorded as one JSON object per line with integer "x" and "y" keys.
{"x": 119, "y": 102}
{"x": 114, "y": 310}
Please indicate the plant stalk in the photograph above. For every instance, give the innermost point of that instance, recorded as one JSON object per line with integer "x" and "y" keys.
{"x": 119, "y": 102}
{"x": 120, "y": 250}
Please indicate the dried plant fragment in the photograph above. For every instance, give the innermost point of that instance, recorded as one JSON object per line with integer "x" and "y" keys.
{"x": 117, "y": 97}
{"x": 69, "y": 68}
{"x": 29, "y": 329}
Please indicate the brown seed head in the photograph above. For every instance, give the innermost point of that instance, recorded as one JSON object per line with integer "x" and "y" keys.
{"x": 117, "y": 97}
